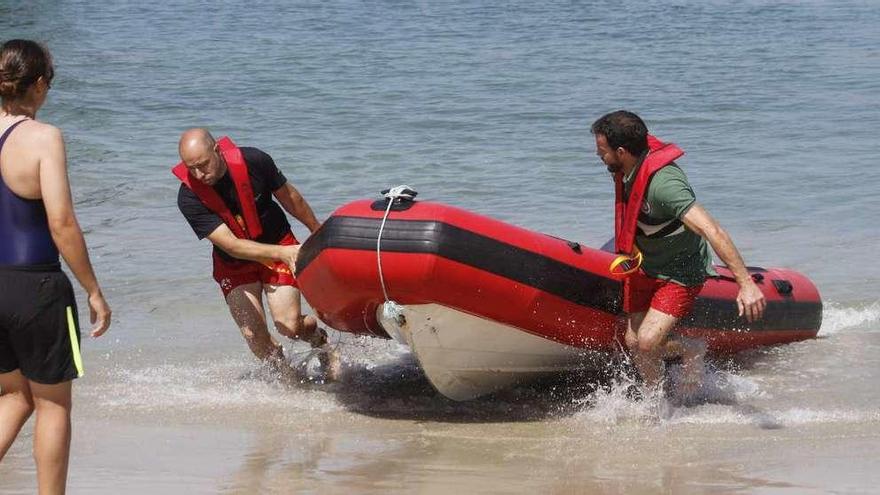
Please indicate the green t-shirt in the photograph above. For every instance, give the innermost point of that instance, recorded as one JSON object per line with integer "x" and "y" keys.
{"x": 671, "y": 250}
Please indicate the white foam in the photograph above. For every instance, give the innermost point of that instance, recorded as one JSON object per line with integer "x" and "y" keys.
{"x": 725, "y": 399}
{"x": 800, "y": 416}
{"x": 715, "y": 414}
{"x": 231, "y": 383}
{"x": 836, "y": 318}
{"x": 613, "y": 408}
{"x": 204, "y": 384}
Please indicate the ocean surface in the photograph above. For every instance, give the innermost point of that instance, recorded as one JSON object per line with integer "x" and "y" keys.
{"x": 485, "y": 106}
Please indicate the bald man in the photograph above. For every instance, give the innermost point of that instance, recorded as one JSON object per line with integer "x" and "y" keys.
{"x": 226, "y": 196}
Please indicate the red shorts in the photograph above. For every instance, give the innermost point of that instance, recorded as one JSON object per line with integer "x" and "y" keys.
{"x": 641, "y": 292}
{"x": 231, "y": 274}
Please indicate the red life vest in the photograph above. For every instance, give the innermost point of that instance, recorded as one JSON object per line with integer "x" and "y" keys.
{"x": 626, "y": 213}
{"x": 248, "y": 227}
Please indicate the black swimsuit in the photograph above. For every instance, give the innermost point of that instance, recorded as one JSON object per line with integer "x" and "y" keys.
{"x": 25, "y": 239}
{"x": 39, "y": 330}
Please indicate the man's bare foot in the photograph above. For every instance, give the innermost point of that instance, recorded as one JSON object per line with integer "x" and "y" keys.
{"x": 290, "y": 374}
{"x": 328, "y": 358}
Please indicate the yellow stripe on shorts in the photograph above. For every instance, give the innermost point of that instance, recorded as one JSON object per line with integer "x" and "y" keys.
{"x": 74, "y": 343}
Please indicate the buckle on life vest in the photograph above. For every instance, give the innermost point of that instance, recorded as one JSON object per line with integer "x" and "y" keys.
{"x": 240, "y": 220}
{"x": 277, "y": 267}
{"x": 628, "y": 263}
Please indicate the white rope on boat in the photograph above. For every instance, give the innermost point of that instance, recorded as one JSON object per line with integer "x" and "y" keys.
{"x": 390, "y": 309}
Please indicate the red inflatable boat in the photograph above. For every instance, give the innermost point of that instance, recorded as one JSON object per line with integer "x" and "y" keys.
{"x": 484, "y": 304}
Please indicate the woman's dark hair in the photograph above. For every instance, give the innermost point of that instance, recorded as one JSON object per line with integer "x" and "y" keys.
{"x": 22, "y": 62}
{"x": 624, "y": 130}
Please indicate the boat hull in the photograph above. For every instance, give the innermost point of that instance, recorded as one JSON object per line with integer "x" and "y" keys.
{"x": 484, "y": 281}
{"x": 465, "y": 356}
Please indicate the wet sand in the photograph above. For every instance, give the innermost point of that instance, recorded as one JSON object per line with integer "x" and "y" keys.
{"x": 335, "y": 454}
{"x": 768, "y": 427}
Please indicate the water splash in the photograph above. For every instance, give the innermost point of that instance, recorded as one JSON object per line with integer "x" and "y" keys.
{"x": 205, "y": 384}
{"x": 837, "y": 318}
{"x": 225, "y": 381}
{"x": 717, "y": 400}
{"x": 724, "y": 398}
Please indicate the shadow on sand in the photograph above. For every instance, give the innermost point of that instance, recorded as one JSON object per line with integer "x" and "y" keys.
{"x": 400, "y": 390}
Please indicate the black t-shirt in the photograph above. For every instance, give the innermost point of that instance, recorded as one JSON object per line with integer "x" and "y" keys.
{"x": 265, "y": 178}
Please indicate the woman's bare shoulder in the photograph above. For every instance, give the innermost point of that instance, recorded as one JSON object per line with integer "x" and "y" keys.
{"x": 36, "y": 132}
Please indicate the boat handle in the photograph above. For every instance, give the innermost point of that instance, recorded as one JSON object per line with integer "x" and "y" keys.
{"x": 783, "y": 287}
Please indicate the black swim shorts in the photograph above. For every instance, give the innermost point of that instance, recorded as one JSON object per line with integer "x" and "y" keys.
{"x": 39, "y": 329}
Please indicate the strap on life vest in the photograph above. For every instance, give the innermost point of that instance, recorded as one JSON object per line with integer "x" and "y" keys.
{"x": 248, "y": 227}
{"x": 626, "y": 212}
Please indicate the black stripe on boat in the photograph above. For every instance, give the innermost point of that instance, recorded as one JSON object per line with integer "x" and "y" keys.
{"x": 535, "y": 270}
{"x": 466, "y": 247}
{"x": 723, "y": 315}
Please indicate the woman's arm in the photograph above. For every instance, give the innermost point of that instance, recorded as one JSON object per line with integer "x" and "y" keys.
{"x": 63, "y": 226}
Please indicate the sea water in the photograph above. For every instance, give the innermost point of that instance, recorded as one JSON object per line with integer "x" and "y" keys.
{"x": 485, "y": 106}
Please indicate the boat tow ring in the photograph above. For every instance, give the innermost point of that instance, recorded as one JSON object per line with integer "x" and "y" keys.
{"x": 628, "y": 263}
{"x": 403, "y": 192}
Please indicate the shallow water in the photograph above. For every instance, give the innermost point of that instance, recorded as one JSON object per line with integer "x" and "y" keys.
{"x": 484, "y": 106}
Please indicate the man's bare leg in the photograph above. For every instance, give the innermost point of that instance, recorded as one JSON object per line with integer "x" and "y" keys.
{"x": 285, "y": 305}
{"x": 652, "y": 335}
{"x": 693, "y": 364}
{"x": 16, "y": 406}
{"x": 650, "y": 370}
{"x": 52, "y": 435}
{"x": 633, "y": 321}
{"x": 246, "y": 306}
